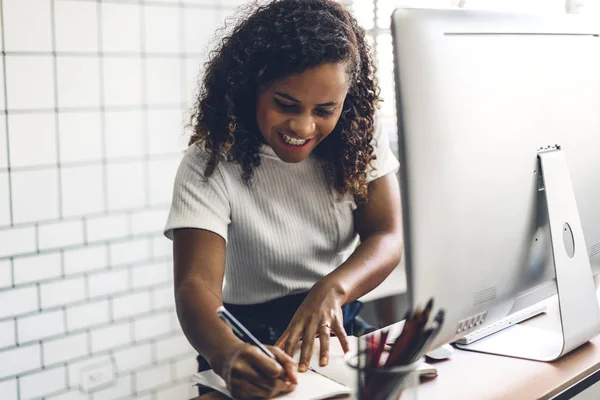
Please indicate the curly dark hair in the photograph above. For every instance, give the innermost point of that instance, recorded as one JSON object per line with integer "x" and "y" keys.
{"x": 273, "y": 40}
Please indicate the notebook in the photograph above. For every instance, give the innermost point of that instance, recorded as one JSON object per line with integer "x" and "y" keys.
{"x": 311, "y": 386}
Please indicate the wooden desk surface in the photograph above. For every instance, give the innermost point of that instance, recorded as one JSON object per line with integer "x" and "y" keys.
{"x": 471, "y": 375}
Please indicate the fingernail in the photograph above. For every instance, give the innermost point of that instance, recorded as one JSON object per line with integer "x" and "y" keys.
{"x": 323, "y": 361}
{"x": 302, "y": 367}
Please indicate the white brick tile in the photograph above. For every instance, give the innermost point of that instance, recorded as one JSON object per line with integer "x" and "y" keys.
{"x": 73, "y": 145}
{"x": 36, "y": 268}
{"x": 200, "y": 26}
{"x": 87, "y": 315}
{"x": 106, "y": 283}
{"x": 151, "y": 274}
{"x": 74, "y": 394}
{"x": 123, "y": 388}
{"x": 40, "y": 326}
{"x": 18, "y": 301}
{"x": 163, "y": 176}
{"x": 76, "y": 34}
{"x": 180, "y": 391}
{"x": 82, "y": 190}
{"x": 3, "y": 137}
{"x": 85, "y": 259}
{"x": 163, "y": 80}
{"x": 129, "y": 251}
{"x": 152, "y": 326}
{"x": 76, "y": 368}
{"x": 27, "y": 25}
{"x": 173, "y": 347}
{"x": 125, "y": 185}
{"x": 165, "y": 132}
{"x": 186, "y": 367}
{"x": 61, "y": 234}
{"x": 162, "y": 29}
{"x": 164, "y": 297}
{"x": 4, "y": 199}
{"x": 8, "y": 390}
{"x": 35, "y": 195}
{"x": 25, "y": 129}
{"x": 131, "y": 304}
{"x": 31, "y": 83}
{"x": 65, "y": 349}
{"x": 150, "y": 221}
{"x": 122, "y": 83}
{"x": 161, "y": 246}
{"x": 124, "y": 134}
{"x": 5, "y": 274}
{"x": 62, "y": 292}
{"x": 152, "y": 378}
{"x": 144, "y": 397}
{"x": 110, "y": 337}
{"x": 45, "y": 382}
{"x": 109, "y": 227}
{"x": 19, "y": 360}
{"x": 17, "y": 241}
{"x": 7, "y": 334}
{"x": 78, "y": 80}
{"x": 125, "y": 34}
{"x": 133, "y": 358}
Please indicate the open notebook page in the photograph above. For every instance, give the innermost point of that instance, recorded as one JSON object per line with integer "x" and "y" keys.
{"x": 311, "y": 386}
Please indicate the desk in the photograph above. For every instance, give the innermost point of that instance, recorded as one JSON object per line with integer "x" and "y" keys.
{"x": 470, "y": 375}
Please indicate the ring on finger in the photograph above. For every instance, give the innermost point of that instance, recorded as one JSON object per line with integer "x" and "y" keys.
{"x": 325, "y": 325}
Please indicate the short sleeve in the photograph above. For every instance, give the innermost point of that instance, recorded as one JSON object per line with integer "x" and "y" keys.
{"x": 386, "y": 161}
{"x": 198, "y": 202}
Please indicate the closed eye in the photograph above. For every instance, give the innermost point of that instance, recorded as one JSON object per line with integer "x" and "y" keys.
{"x": 285, "y": 106}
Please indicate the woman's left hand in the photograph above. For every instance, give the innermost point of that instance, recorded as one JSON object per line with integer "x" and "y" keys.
{"x": 319, "y": 314}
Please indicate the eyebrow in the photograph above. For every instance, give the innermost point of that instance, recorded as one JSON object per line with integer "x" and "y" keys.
{"x": 290, "y": 98}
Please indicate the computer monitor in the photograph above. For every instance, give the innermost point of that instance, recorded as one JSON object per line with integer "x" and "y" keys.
{"x": 499, "y": 141}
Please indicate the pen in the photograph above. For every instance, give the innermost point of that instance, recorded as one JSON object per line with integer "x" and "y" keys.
{"x": 241, "y": 332}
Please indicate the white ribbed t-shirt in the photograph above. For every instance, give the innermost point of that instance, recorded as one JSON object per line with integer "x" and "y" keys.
{"x": 284, "y": 233}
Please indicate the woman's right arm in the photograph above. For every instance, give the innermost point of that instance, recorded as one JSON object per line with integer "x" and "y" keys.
{"x": 199, "y": 266}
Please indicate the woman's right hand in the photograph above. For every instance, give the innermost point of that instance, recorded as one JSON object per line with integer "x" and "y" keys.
{"x": 249, "y": 373}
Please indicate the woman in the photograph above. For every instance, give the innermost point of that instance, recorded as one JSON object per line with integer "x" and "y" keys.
{"x": 284, "y": 173}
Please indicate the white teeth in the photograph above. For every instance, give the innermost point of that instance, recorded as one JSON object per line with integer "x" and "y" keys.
{"x": 292, "y": 141}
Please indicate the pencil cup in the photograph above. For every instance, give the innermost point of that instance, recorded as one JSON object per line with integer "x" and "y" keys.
{"x": 385, "y": 383}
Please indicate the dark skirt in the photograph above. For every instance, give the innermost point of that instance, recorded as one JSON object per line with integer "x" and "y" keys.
{"x": 267, "y": 321}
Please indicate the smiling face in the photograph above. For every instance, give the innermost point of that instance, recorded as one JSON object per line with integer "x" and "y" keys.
{"x": 295, "y": 113}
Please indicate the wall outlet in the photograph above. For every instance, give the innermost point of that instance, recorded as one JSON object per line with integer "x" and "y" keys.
{"x": 97, "y": 376}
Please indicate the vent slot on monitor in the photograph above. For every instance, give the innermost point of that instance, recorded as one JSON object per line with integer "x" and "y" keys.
{"x": 594, "y": 250}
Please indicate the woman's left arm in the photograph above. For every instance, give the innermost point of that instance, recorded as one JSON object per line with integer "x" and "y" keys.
{"x": 379, "y": 225}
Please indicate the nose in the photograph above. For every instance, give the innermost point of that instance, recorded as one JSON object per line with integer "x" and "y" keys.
{"x": 303, "y": 126}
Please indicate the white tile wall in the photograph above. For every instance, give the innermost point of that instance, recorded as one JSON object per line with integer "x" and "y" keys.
{"x": 123, "y": 388}
{"x": 133, "y": 358}
{"x": 75, "y": 368}
{"x": 165, "y": 128}
{"x": 124, "y": 134}
{"x": 6, "y": 275}
{"x": 161, "y": 25}
{"x": 17, "y": 240}
{"x": 87, "y": 315}
{"x": 8, "y": 390}
{"x": 172, "y": 347}
{"x": 4, "y": 200}
{"x": 82, "y": 190}
{"x": 29, "y": 82}
{"x": 80, "y": 137}
{"x": 131, "y": 304}
{"x": 45, "y": 382}
{"x": 65, "y": 348}
{"x": 129, "y": 252}
{"x": 151, "y": 274}
{"x": 85, "y": 259}
{"x": 37, "y": 268}
{"x": 106, "y": 227}
{"x": 39, "y": 326}
{"x": 76, "y": 34}
{"x": 163, "y": 81}
{"x": 60, "y": 234}
{"x": 32, "y": 139}
{"x": 18, "y": 301}
{"x": 152, "y": 378}
{"x": 152, "y": 326}
{"x": 125, "y": 185}
{"x": 78, "y": 81}
{"x": 19, "y": 360}
{"x": 111, "y": 282}
{"x": 163, "y": 175}
{"x": 28, "y": 187}
{"x": 125, "y": 35}
{"x": 111, "y": 336}
{"x": 124, "y": 88}
{"x": 62, "y": 292}
{"x": 7, "y": 334}
{"x": 3, "y": 137}
{"x": 200, "y": 26}
{"x": 26, "y": 25}
{"x": 147, "y": 221}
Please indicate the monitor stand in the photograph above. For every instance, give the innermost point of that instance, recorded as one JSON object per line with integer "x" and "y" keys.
{"x": 577, "y": 301}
